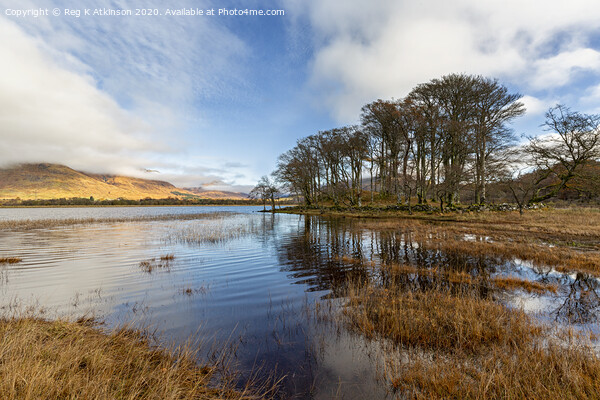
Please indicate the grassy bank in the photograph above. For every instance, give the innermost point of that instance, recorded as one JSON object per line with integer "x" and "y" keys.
{"x": 452, "y": 342}
{"x": 74, "y": 360}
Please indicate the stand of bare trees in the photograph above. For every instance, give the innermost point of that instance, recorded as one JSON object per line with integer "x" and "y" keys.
{"x": 446, "y": 135}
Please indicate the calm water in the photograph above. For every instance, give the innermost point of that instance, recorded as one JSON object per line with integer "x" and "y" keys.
{"x": 254, "y": 289}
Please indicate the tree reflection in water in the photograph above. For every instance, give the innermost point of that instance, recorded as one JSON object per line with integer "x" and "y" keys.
{"x": 328, "y": 253}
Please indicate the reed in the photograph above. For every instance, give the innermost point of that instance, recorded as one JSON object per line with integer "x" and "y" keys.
{"x": 152, "y": 264}
{"x": 436, "y": 320}
{"x": 512, "y": 283}
{"x": 216, "y": 231}
{"x": 73, "y": 360}
{"x": 454, "y": 342}
{"x": 51, "y": 223}
{"x": 567, "y": 253}
{"x": 10, "y": 260}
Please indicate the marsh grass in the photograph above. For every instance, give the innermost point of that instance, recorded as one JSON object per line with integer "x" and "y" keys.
{"x": 500, "y": 240}
{"x": 511, "y": 283}
{"x": 160, "y": 263}
{"x": 437, "y": 319}
{"x": 51, "y": 223}
{"x": 10, "y": 260}
{"x": 531, "y": 370}
{"x": 216, "y": 231}
{"x": 450, "y": 341}
{"x": 190, "y": 291}
{"x": 69, "y": 360}
{"x": 566, "y": 223}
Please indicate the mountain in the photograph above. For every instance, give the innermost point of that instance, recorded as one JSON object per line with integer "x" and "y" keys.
{"x": 53, "y": 181}
{"x": 216, "y": 194}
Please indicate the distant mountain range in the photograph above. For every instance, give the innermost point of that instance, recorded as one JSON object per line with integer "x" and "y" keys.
{"x": 53, "y": 181}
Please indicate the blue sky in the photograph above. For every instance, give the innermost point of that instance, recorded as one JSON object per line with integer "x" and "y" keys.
{"x": 212, "y": 101}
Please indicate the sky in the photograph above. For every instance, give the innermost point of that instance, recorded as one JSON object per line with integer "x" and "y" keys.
{"x": 211, "y": 101}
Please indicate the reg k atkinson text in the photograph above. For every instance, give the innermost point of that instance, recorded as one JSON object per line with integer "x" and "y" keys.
{"x": 79, "y": 12}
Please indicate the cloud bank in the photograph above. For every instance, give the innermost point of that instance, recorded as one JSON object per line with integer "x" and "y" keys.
{"x": 113, "y": 95}
{"x": 365, "y": 51}
{"x": 48, "y": 113}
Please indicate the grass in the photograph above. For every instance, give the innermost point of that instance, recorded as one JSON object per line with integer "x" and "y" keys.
{"x": 529, "y": 371}
{"x": 190, "y": 291}
{"x": 73, "y": 360}
{"x": 10, "y": 260}
{"x": 219, "y": 230}
{"x": 567, "y": 239}
{"x": 438, "y": 277}
{"x": 569, "y": 225}
{"x": 449, "y": 343}
{"x": 152, "y": 264}
{"x": 511, "y": 283}
{"x": 436, "y": 320}
{"x": 566, "y": 246}
{"x": 433, "y": 305}
{"x": 51, "y": 223}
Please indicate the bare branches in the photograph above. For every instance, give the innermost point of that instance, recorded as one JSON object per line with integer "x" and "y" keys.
{"x": 574, "y": 140}
{"x": 447, "y": 136}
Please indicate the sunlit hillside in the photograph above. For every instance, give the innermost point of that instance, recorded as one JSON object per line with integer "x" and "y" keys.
{"x": 52, "y": 181}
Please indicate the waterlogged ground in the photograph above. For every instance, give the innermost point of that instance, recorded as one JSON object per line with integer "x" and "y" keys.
{"x": 230, "y": 274}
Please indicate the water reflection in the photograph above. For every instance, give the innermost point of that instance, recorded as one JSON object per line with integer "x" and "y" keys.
{"x": 262, "y": 285}
{"x": 327, "y": 253}
{"x": 314, "y": 255}
{"x": 581, "y": 300}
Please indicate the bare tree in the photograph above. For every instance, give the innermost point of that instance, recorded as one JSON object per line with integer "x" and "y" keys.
{"x": 446, "y": 133}
{"x": 574, "y": 140}
{"x": 516, "y": 175}
{"x": 260, "y": 192}
{"x": 381, "y": 119}
{"x": 495, "y": 107}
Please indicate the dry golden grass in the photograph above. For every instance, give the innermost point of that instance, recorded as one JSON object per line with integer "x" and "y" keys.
{"x": 530, "y": 370}
{"x": 10, "y": 260}
{"x": 573, "y": 250}
{"x": 567, "y": 239}
{"x": 456, "y": 344}
{"x": 437, "y": 320}
{"x": 163, "y": 262}
{"x": 73, "y": 360}
{"x": 511, "y": 283}
{"x": 571, "y": 226}
{"x": 450, "y": 337}
{"x": 577, "y": 225}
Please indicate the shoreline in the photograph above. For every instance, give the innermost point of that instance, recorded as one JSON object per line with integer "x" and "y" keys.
{"x": 130, "y": 205}
{"x": 72, "y": 359}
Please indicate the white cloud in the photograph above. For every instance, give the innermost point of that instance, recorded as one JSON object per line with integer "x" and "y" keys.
{"x": 383, "y": 49}
{"x": 48, "y": 113}
{"x": 591, "y": 100}
{"x": 559, "y": 70}
{"x": 113, "y": 95}
{"x": 535, "y": 106}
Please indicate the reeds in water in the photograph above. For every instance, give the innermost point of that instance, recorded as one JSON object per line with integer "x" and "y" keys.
{"x": 74, "y": 360}
{"x": 10, "y": 260}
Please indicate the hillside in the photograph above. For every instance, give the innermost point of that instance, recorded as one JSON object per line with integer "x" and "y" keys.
{"x": 52, "y": 181}
{"x": 216, "y": 194}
